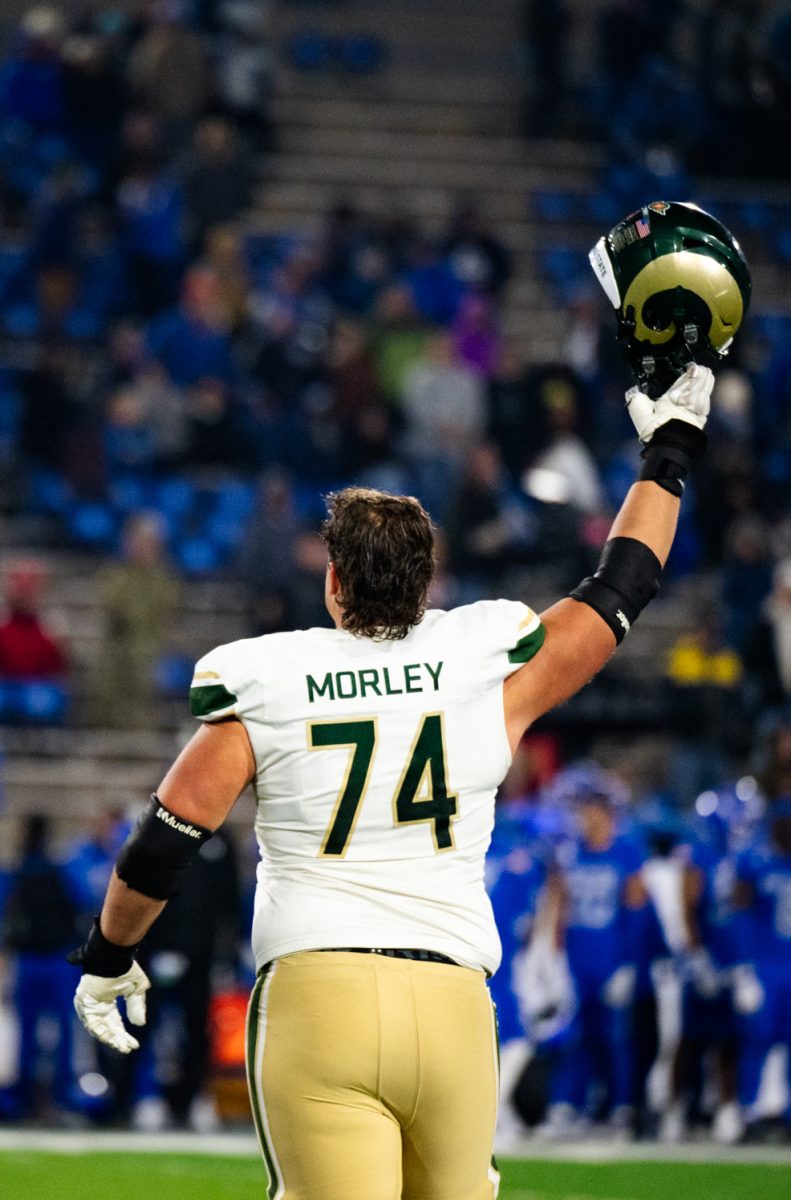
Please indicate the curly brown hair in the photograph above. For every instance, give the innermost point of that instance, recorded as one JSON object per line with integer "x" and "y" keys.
{"x": 383, "y": 550}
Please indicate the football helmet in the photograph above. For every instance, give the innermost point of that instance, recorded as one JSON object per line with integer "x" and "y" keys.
{"x": 680, "y": 286}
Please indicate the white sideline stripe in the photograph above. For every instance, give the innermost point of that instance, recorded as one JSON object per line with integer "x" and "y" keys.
{"x": 245, "y": 1145}
{"x": 56, "y": 1141}
{"x": 601, "y": 1151}
{"x": 530, "y": 1194}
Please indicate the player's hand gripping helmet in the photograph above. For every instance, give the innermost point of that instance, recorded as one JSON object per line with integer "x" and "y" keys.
{"x": 680, "y": 286}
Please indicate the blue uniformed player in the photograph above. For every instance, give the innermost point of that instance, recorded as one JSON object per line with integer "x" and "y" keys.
{"x": 762, "y": 979}
{"x": 515, "y": 895}
{"x": 602, "y": 899}
{"x": 708, "y": 1018}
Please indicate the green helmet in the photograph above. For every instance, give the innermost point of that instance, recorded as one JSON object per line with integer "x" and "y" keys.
{"x": 680, "y": 286}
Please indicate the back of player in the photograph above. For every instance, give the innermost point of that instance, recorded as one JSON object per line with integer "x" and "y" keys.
{"x": 376, "y": 768}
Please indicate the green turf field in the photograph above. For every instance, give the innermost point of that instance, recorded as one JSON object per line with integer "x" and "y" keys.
{"x": 32, "y": 1175}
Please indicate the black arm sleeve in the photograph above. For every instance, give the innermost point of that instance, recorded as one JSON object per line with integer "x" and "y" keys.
{"x": 627, "y": 578}
{"x": 158, "y": 851}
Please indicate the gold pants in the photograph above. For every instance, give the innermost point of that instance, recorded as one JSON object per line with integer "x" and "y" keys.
{"x": 373, "y": 1078}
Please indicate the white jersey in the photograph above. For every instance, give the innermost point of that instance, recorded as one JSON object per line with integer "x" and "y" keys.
{"x": 376, "y": 769}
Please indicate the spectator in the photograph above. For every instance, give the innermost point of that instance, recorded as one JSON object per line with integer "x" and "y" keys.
{"x": 151, "y": 215}
{"x": 398, "y": 340}
{"x": 747, "y": 578}
{"x": 443, "y": 403}
{"x": 32, "y": 78}
{"x": 217, "y": 178}
{"x": 436, "y": 291}
{"x": 224, "y": 254}
{"x": 95, "y": 96}
{"x": 477, "y": 334}
{"x": 28, "y": 650}
{"x": 192, "y": 341}
{"x": 245, "y": 64}
{"x": 517, "y": 421}
{"x": 768, "y": 652}
{"x": 352, "y": 372}
{"x": 197, "y": 934}
{"x": 38, "y": 926}
{"x": 138, "y": 597}
{"x": 215, "y": 430}
{"x": 487, "y": 528}
{"x": 146, "y": 424}
{"x": 49, "y": 408}
{"x": 169, "y": 70}
{"x": 704, "y": 676}
{"x": 476, "y": 257}
{"x": 565, "y": 471}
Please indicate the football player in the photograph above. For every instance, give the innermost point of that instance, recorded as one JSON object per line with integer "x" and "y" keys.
{"x": 515, "y": 896}
{"x": 762, "y": 979}
{"x": 600, "y": 918}
{"x": 375, "y": 749}
{"x": 708, "y": 1019}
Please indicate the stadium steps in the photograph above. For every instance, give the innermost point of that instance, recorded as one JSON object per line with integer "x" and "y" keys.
{"x": 377, "y": 114}
{"x": 437, "y": 124}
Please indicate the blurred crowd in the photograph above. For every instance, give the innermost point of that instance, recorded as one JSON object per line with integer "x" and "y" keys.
{"x": 178, "y": 391}
{"x": 698, "y": 81}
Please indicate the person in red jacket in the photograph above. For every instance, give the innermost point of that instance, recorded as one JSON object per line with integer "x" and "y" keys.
{"x": 28, "y": 650}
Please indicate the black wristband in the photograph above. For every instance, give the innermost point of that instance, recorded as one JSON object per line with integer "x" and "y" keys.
{"x": 98, "y": 956}
{"x": 669, "y": 455}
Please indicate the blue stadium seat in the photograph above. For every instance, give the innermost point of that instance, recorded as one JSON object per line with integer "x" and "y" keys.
{"x": 173, "y": 674}
{"x": 562, "y": 265}
{"x": 361, "y": 53}
{"x": 176, "y": 498}
{"x": 556, "y": 206}
{"x": 309, "y": 51}
{"x": 94, "y": 523}
{"x": 33, "y": 702}
{"x": 197, "y": 555}
{"x": 48, "y": 492}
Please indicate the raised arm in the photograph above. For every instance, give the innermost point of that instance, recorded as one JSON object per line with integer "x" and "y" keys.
{"x": 584, "y": 629}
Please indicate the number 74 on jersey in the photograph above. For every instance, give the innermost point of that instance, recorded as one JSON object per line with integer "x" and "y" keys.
{"x": 420, "y": 795}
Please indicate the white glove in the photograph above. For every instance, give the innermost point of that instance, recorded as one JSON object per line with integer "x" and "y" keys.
{"x": 95, "y": 1003}
{"x": 618, "y": 991}
{"x": 748, "y": 992}
{"x": 700, "y": 970}
{"x": 688, "y": 399}
{"x": 543, "y": 986}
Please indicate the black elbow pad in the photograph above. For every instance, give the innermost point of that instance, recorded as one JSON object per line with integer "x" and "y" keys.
{"x": 158, "y": 851}
{"x": 627, "y": 578}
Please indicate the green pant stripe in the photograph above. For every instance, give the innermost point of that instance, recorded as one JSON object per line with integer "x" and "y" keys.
{"x": 253, "y": 1014}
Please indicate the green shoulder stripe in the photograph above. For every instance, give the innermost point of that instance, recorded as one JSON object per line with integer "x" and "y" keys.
{"x": 529, "y": 645}
{"x": 214, "y": 698}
